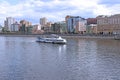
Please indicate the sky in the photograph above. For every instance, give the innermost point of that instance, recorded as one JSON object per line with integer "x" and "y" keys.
{"x": 56, "y": 10}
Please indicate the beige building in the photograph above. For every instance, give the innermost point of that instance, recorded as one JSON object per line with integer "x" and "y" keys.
{"x": 47, "y": 27}
{"x": 25, "y": 26}
{"x": 108, "y": 24}
{"x": 49, "y": 24}
{"x": 91, "y": 29}
{"x": 26, "y": 23}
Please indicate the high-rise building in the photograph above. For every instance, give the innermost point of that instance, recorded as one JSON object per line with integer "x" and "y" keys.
{"x": 43, "y": 21}
{"x": 76, "y": 24}
{"x": 8, "y": 22}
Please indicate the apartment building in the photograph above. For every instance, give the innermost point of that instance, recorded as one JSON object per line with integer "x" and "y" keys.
{"x": 76, "y": 24}
{"x": 91, "y": 26}
{"x": 8, "y": 22}
{"x": 108, "y": 24}
{"x": 15, "y": 27}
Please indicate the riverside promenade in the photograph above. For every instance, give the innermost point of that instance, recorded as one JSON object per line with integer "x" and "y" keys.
{"x": 85, "y": 36}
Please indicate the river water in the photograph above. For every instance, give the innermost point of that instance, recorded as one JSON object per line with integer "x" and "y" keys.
{"x": 21, "y": 58}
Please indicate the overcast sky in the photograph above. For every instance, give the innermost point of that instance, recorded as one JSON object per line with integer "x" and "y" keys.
{"x": 56, "y": 10}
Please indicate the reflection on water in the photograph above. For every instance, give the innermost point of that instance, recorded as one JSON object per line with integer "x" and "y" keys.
{"x": 21, "y": 58}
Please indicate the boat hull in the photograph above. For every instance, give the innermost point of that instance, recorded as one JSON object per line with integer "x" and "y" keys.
{"x": 52, "y": 40}
{"x": 117, "y": 37}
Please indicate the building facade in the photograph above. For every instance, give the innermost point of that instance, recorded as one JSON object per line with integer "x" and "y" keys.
{"x": 91, "y": 29}
{"x": 47, "y": 27}
{"x": 108, "y": 24}
{"x": 76, "y": 24}
{"x": 59, "y": 27}
{"x": 15, "y": 27}
{"x": 25, "y": 26}
{"x": 91, "y": 21}
{"x": 43, "y": 21}
{"x": 8, "y": 22}
{"x": 37, "y": 29}
{"x": 26, "y": 23}
{"x": 91, "y": 26}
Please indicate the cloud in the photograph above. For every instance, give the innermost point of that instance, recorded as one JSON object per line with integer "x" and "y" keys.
{"x": 56, "y": 10}
{"x": 107, "y": 10}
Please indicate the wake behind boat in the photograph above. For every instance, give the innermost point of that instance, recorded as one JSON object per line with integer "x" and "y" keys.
{"x": 52, "y": 39}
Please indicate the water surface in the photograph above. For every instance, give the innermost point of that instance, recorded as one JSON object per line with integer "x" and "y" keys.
{"x": 21, "y": 58}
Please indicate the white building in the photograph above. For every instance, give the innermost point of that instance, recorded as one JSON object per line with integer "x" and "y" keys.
{"x": 37, "y": 27}
{"x": 15, "y": 27}
{"x": 8, "y": 22}
{"x": 81, "y": 26}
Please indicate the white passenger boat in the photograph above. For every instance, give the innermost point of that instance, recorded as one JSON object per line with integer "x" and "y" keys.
{"x": 54, "y": 39}
{"x": 117, "y": 37}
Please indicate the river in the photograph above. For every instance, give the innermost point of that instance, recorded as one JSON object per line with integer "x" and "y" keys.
{"x": 21, "y": 58}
